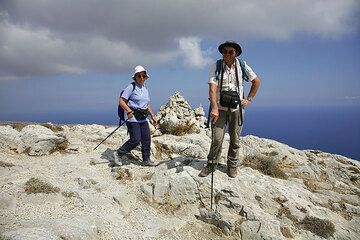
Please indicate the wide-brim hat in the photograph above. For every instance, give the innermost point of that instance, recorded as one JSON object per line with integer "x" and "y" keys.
{"x": 232, "y": 44}
{"x": 139, "y": 69}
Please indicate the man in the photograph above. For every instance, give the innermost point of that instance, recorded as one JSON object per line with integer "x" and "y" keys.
{"x": 230, "y": 80}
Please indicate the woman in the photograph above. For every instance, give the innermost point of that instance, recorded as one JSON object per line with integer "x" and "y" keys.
{"x": 135, "y": 102}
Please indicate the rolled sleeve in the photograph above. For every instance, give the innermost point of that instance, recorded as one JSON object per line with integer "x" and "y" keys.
{"x": 252, "y": 74}
{"x": 212, "y": 77}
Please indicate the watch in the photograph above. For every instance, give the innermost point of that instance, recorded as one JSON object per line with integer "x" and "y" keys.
{"x": 249, "y": 99}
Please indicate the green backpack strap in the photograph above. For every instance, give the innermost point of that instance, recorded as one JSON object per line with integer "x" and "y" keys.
{"x": 245, "y": 72}
{"x": 218, "y": 69}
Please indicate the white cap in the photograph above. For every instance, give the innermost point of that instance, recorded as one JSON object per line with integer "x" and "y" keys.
{"x": 139, "y": 69}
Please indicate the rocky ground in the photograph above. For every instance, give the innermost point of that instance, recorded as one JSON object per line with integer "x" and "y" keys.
{"x": 55, "y": 186}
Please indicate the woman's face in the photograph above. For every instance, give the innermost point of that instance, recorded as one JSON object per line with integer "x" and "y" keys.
{"x": 229, "y": 54}
{"x": 140, "y": 77}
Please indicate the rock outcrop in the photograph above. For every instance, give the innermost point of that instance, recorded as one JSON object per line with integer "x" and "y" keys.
{"x": 36, "y": 140}
{"x": 280, "y": 192}
{"x": 178, "y": 118}
{"x": 10, "y": 140}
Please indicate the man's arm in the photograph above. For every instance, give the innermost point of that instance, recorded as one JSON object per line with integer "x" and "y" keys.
{"x": 214, "y": 114}
{"x": 255, "y": 84}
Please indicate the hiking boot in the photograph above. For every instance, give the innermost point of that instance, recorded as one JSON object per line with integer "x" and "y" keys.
{"x": 117, "y": 160}
{"x": 207, "y": 170}
{"x": 149, "y": 163}
{"x": 232, "y": 172}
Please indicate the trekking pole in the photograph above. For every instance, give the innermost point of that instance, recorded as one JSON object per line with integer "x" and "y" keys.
{"x": 212, "y": 183}
{"x": 208, "y": 118}
{"x": 212, "y": 171}
{"x": 111, "y": 133}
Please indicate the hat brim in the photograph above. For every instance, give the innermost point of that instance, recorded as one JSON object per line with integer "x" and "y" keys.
{"x": 230, "y": 44}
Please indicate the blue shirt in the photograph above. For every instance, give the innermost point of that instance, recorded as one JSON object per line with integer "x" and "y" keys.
{"x": 139, "y": 98}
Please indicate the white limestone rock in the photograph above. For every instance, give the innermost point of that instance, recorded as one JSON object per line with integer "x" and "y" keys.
{"x": 191, "y": 145}
{"x": 31, "y": 233}
{"x": 75, "y": 228}
{"x": 7, "y": 201}
{"x": 10, "y": 140}
{"x": 261, "y": 230}
{"x": 317, "y": 184}
{"x": 39, "y": 140}
{"x": 84, "y": 138}
{"x": 177, "y": 117}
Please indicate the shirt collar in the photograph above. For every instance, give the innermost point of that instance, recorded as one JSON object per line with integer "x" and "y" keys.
{"x": 232, "y": 65}
{"x": 139, "y": 85}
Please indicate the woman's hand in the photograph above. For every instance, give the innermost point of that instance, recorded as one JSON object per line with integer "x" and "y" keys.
{"x": 154, "y": 120}
{"x": 130, "y": 114}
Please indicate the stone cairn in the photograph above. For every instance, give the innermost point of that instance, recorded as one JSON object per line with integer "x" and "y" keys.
{"x": 178, "y": 118}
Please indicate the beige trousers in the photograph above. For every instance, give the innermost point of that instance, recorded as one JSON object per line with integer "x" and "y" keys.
{"x": 232, "y": 119}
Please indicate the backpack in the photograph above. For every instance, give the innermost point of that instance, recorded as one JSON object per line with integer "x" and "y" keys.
{"x": 121, "y": 111}
{"x": 218, "y": 71}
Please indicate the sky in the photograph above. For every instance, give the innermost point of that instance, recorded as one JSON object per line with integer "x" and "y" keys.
{"x": 77, "y": 55}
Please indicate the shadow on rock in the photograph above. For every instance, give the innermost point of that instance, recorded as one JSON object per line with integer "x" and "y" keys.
{"x": 180, "y": 162}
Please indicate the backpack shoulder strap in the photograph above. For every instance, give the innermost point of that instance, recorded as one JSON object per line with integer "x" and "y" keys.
{"x": 133, "y": 89}
{"x": 219, "y": 72}
{"x": 133, "y": 83}
{"x": 245, "y": 73}
{"x": 218, "y": 69}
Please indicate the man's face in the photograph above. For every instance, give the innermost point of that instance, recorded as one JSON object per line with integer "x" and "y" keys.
{"x": 229, "y": 54}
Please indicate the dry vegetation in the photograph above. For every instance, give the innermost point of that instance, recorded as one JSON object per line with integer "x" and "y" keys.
{"x": 123, "y": 174}
{"x": 320, "y": 227}
{"x": 354, "y": 170}
{"x": 180, "y": 130}
{"x": 34, "y": 185}
{"x": 311, "y": 185}
{"x": 70, "y": 194}
{"x": 18, "y": 126}
{"x": 285, "y": 211}
{"x": 265, "y": 165}
{"x": 5, "y": 164}
{"x": 161, "y": 151}
{"x": 52, "y": 127}
{"x": 286, "y": 232}
{"x": 166, "y": 208}
{"x": 61, "y": 147}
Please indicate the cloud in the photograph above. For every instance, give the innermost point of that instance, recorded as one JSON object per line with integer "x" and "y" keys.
{"x": 352, "y": 97}
{"x": 46, "y": 37}
{"x": 193, "y": 55}
{"x": 29, "y": 53}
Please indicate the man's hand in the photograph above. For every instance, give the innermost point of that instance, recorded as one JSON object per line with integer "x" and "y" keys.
{"x": 245, "y": 102}
{"x": 214, "y": 114}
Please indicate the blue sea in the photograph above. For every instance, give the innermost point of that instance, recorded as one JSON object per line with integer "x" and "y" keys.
{"x": 329, "y": 129}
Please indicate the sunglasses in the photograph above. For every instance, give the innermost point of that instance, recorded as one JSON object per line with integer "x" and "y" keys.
{"x": 141, "y": 76}
{"x": 230, "y": 52}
